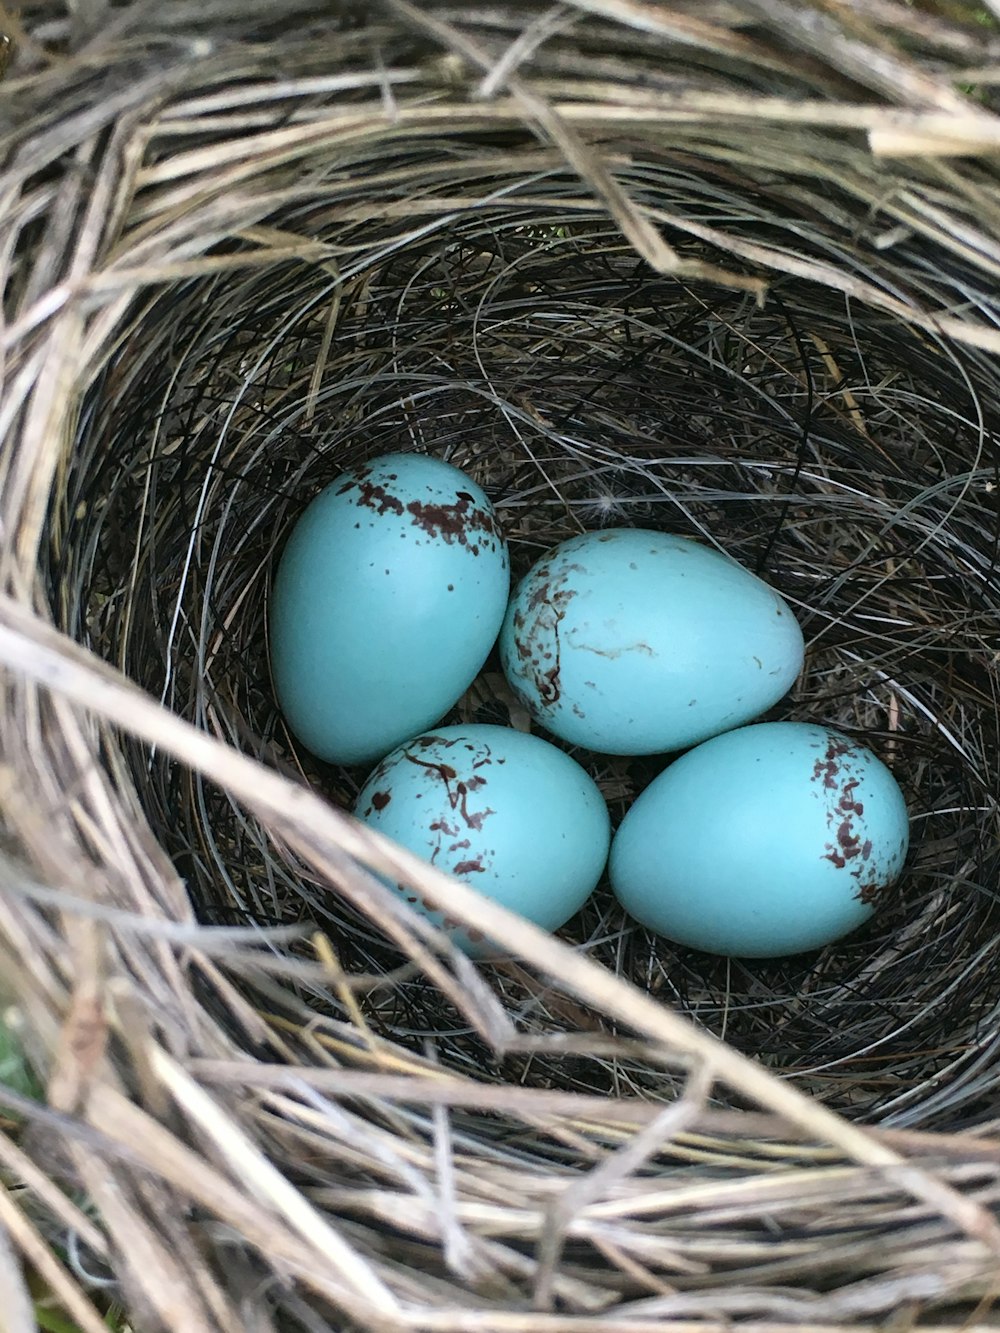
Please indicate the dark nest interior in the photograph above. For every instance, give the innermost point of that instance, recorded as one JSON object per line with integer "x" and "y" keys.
{"x": 849, "y": 462}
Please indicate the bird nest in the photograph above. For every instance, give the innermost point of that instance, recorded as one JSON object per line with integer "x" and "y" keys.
{"x": 723, "y": 270}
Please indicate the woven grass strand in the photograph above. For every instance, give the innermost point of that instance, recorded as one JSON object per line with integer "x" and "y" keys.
{"x": 727, "y": 269}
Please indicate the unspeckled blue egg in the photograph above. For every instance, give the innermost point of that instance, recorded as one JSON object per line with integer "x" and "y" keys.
{"x": 770, "y": 840}
{"x": 637, "y": 642}
{"x": 503, "y": 810}
{"x": 386, "y": 603}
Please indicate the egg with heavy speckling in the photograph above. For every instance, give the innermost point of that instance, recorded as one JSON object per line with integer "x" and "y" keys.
{"x": 637, "y": 642}
{"x": 503, "y": 810}
{"x": 387, "y": 601}
{"x": 769, "y": 840}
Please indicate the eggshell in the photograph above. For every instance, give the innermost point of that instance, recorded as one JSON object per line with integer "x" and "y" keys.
{"x": 387, "y": 601}
{"x": 503, "y": 810}
{"x": 772, "y": 839}
{"x": 638, "y": 642}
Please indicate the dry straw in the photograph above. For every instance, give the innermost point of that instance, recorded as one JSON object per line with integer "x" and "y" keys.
{"x": 727, "y": 268}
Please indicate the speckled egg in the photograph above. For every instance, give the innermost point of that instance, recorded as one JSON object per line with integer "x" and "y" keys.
{"x": 387, "y": 601}
{"x": 636, "y": 642}
{"x": 770, "y": 840}
{"x": 503, "y": 810}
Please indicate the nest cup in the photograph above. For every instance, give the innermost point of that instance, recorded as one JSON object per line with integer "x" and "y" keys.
{"x": 839, "y": 457}
{"x": 595, "y": 267}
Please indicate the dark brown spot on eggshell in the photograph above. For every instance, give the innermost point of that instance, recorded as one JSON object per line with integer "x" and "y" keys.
{"x": 380, "y": 799}
{"x": 378, "y": 499}
{"x": 462, "y": 795}
{"x": 849, "y": 848}
{"x": 474, "y": 818}
{"x": 464, "y": 523}
{"x": 475, "y": 867}
{"x": 827, "y": 769}
{"x": 536, "y": 625}
{"x": 848, "y": 840}
{"x": 538, "y": 596}
{"x": 847, "y": 804}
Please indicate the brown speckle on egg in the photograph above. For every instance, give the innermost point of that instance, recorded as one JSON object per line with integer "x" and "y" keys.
{"x": 475, "y": 867}
{"x": 536, "y": 632}
{"x": 869, "y": 894}
{"x": 378, "y": 499}
{"x": 848, "y": 849}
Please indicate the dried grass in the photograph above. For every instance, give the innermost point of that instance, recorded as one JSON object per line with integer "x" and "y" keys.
{"x": 729, "y": 268}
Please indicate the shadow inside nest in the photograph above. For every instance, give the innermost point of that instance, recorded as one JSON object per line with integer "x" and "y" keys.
{"x": 841, "y": 457}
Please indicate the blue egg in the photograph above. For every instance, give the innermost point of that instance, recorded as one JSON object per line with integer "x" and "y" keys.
{"x": 636, "y": 642}
{"x": 386, "y": 603}
{"x": 502, "y": 810}
{"x": 770, "y": 840}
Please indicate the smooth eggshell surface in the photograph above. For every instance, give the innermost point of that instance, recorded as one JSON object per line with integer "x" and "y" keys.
{"x": 770, "y": 840}
{"x": 636, "y": 642}
{"x": 502, "y": 810}
{"x": 387, "y": 601}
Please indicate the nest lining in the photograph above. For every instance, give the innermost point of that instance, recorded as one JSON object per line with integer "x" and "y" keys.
{"x": 293, "y": 268}
{"x": 846, "y": 463}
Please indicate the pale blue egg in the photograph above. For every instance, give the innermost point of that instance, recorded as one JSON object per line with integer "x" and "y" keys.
{"x": 503, "y": 810}
{"x": 769, "y": 840}
{"x": 387, "y": 601}
{"x": 637, "y": 642}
